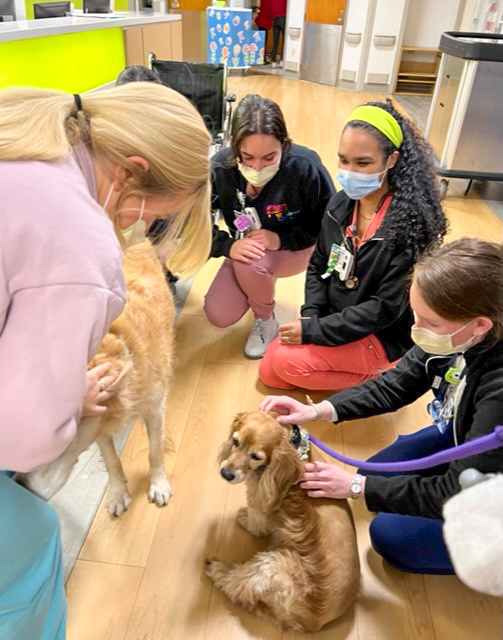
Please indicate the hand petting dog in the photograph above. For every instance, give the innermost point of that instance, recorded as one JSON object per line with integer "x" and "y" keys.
{"x": 97, "y": 390}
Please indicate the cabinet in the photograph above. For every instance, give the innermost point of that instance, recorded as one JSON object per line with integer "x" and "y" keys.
{"x": 163, "y": 39}
{"x": 372, "y": 37}
{"x": 417, "y": 71}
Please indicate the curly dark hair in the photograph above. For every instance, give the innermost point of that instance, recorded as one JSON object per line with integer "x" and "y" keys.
{"x": 415, "y": 215}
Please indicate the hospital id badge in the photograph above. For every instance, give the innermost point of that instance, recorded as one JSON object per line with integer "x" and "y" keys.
{"x": 344, "y": 265}
{"x": 242, "y": 223}
{"x": 252, "y": 214}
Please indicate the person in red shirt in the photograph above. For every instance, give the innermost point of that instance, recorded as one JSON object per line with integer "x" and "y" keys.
{"x": 272, "y": 14}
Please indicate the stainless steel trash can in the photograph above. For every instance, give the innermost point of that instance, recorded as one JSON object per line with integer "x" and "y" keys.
{"x": 465, "y": 124}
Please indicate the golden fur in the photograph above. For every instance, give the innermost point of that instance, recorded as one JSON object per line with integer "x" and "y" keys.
{"x": 139, "y": 346}
{"x": 310, "y": 573}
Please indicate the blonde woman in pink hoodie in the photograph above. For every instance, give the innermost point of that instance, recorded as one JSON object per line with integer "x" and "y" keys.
{"x": 72, "y": 170}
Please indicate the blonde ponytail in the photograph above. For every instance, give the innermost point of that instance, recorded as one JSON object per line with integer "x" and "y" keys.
{"x": 138, "y": 118}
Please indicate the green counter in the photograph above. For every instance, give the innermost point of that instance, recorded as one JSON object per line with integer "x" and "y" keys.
{"x": 74, "y": 62}
{"x": 74, "y": 53}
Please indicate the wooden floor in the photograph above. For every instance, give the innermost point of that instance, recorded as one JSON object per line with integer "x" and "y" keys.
{"x": 140, "y": 577}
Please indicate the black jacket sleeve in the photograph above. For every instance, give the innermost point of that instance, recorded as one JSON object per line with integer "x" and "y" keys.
{"x": 425, "y": 496}
{"x": 221, "y": 243}
{"x": 355, "y": 322}
{"x": 317, "y": 189}
{"x": 390, "y": 391}
{"x": 222, "y": 240}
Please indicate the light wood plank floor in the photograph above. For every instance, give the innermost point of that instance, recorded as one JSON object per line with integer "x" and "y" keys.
{"x": 140, "y": 577}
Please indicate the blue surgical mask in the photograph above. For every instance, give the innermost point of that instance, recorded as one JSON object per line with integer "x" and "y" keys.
{"x": 357, "y": 184}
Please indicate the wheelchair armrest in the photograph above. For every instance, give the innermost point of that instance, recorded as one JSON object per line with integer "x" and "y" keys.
{"x": 231, "y": 97}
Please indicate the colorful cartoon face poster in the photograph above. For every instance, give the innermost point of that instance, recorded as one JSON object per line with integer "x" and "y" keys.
{"x": 231, "y": 38}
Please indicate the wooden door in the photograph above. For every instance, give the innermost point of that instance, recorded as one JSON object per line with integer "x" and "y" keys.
{"x": 195, "y": 5}
{"x": 325, "y": 11}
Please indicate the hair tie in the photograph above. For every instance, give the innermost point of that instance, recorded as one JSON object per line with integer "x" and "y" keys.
{"x": 78, "y": 102}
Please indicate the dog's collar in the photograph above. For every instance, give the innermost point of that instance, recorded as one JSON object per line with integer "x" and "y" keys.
{"x": 300, "y": 441}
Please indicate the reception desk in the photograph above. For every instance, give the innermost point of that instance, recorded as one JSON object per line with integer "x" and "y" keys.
{"x": 77, "y": 54}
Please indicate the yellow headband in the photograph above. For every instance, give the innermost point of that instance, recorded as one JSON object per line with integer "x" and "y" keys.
{"x": 381, "y": 120}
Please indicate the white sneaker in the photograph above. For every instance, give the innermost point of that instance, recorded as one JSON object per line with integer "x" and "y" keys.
{"x": 277, "y": 65}
{"x": 262, "y": 333}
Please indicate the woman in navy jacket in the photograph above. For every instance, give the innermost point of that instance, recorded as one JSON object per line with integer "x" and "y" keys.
{"x": 456, "y": 296}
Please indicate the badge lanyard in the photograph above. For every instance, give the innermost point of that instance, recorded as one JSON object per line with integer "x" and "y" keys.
{"x": 342, "y": 258}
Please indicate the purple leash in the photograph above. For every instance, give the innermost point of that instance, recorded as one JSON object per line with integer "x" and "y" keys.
{"x": 465, "y": 450}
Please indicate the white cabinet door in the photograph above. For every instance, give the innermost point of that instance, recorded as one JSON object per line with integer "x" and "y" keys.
{"x": 355, "y": 40}
{"x": 385, "y": 40}
{"x": 294, "y": 33}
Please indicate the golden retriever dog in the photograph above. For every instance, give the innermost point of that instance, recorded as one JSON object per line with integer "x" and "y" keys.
{"x": 309, "y": 574}
{"x": 139, "y": 346}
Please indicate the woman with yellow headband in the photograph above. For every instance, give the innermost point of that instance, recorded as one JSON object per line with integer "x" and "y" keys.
{"x": 355, "y": 322}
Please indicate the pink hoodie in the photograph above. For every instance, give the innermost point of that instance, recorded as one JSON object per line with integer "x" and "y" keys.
{"x": 61, "y": 286}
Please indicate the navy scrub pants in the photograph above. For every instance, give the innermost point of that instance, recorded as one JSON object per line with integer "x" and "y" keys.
{"x": 412, "y": 543}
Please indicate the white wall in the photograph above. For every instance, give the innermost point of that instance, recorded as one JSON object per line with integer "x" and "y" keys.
{"x": 428, "y": 19}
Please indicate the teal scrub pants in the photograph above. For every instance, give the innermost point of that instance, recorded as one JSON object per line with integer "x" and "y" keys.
{"x": 32, "y": 592}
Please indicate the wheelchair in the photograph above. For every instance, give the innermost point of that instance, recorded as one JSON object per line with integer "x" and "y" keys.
{"x": 205, "y": 85}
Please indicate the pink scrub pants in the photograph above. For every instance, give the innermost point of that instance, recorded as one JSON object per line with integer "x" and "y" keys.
{"x": 238, "y": 287}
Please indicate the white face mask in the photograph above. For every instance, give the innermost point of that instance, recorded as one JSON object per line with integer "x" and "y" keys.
{"x": 136, "y": 232}
{"x": 259, "y": 178}
{"x": 439, "y": 344}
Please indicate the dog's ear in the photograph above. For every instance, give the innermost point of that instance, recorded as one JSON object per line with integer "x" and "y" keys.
{"x": 237, "y": 422}
{"x": 283, "y": 470}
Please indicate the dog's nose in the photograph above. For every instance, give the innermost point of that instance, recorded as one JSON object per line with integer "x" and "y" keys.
{"x": 228, "y": 475}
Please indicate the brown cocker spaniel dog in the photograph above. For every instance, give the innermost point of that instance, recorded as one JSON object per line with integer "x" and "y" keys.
{"x": 310, "y": 573}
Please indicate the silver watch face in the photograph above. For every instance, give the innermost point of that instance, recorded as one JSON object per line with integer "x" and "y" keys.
{"x": 355, "y": 487}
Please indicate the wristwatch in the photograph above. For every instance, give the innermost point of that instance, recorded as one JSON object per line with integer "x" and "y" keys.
{"x": 355, "y": 486}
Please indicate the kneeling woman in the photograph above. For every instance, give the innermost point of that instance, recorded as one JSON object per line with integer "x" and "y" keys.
{"x": 272, "y": 195}
{"x": 356, "y": 320}
{"x": 456, "y": 296}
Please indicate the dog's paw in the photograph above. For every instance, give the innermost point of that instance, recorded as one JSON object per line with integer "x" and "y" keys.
{"x": 118, "y": 503}
{"x": 242, "y": 517}
{"x": 214, "y": 568}
{"x": 160, "y": 492}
